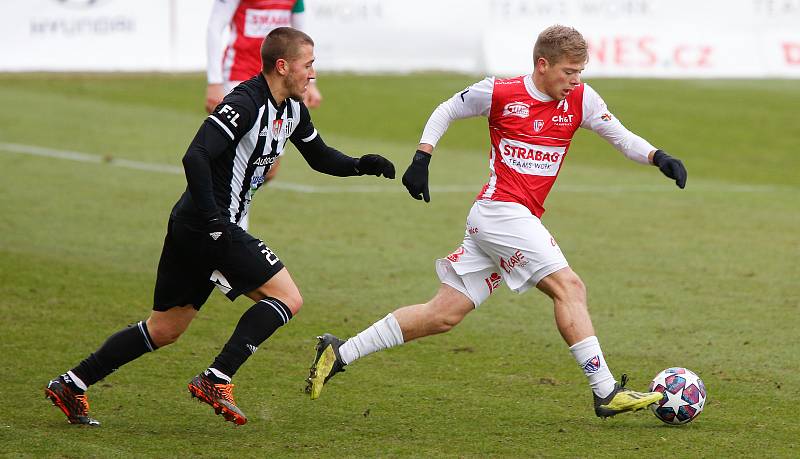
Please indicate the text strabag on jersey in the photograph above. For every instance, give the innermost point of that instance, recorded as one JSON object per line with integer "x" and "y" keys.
{"x": 257, "y": 23}
{"x": 531, "y": 159}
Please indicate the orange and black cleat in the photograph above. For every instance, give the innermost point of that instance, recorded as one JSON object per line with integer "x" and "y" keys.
{"x": 219, "y": 396}
{"x": 74, "y": 405}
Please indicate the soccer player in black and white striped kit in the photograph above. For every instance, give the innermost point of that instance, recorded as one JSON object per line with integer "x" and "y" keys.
{"x": 207, "y": 243}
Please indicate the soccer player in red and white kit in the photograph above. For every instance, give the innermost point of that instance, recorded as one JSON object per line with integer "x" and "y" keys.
{"x": 532, "y": 120}
{"x": 249, "y": 21}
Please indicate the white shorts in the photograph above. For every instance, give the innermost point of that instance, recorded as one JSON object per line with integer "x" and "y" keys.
{"x": 503, "y": 241}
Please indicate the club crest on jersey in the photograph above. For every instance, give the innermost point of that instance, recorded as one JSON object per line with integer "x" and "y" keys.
{"x": 518, "y": 109}
{"x": 538, "y": 125}
{"x": 276, "y": 127}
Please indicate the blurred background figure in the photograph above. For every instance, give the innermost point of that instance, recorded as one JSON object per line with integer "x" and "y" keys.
{"x": 237, "y": 59}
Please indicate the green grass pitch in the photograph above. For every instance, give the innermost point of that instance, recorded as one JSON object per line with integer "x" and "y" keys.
{"x": 705, "y": 278}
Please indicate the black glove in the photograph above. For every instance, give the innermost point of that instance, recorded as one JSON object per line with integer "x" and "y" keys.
{"x": 375, "y": 165}
{"x": 671, "y": 167}
{"x": 416, "y": 177}
{"x": 218, "y": 238}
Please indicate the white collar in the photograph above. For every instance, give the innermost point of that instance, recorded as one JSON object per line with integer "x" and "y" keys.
{"x": 533, "y": 91}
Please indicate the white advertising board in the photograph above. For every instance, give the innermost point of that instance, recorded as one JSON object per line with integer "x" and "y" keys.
{"x": 627, "y": 38}
{"x": 395, "y": 36}
{"x": 83, "y": 35}
{"x": 643, "y": 38}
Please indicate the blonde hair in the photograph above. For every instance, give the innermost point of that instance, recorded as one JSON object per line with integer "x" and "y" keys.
{"x": 557, "y": 42}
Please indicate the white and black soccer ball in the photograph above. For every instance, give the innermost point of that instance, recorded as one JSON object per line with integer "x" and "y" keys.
{"x": 684, "y": 395}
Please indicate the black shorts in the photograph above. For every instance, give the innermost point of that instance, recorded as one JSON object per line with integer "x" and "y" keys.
{"x": 187, "y": 273}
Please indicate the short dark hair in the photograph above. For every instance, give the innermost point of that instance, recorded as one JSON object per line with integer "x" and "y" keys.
{"x": 282, "y": 43}
{"x": 557, "y": 42}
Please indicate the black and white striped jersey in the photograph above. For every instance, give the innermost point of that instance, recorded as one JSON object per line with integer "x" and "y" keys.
{"x": 239, "y": 141}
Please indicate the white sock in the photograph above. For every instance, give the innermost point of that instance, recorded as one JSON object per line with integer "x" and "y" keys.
{"x": 383, "y": 334}
{"x": 220, "y": 375}
{"x": 75, "y": 379}
{"x": 590, "y": 358}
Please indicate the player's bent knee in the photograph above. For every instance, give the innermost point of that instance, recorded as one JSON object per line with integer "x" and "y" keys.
{"x": 575, "y": 286}
{"x": 165, "y": 327}
{"x": 163, "y": 336}
{"x": 294, "y": 302}
{"x": 444, "y": 317}
{"x": 564, "y": 285}
{"x": 290, "y": 297}
{"x": 446, "y": 323}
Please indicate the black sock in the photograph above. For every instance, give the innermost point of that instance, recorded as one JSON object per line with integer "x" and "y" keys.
{"x": 120, "y": 348}
{"x": 256, "y": 325}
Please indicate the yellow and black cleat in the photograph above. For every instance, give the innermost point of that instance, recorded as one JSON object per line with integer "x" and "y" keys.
{"x": 622, "y": 400}
{"x": 326, "y": 363}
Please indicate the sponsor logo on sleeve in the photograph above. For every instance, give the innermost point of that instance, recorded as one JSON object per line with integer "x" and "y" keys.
{"x": 605, "y": 117}
{"x": 230, "y": 114}
{"x": 518, "y": 109}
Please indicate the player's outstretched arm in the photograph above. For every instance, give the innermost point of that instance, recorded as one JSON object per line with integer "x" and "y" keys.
{"x": 331, "y": 161}
{"x": 377, "y": 165}
{"x": 671, "y": 167}
{"x": 476, "y": 100}
{"x": 415, "y": 178}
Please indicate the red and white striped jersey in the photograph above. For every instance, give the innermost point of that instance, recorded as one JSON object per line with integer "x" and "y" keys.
{"x": 530, "y": 134}
{"x": 249, "y": 22}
